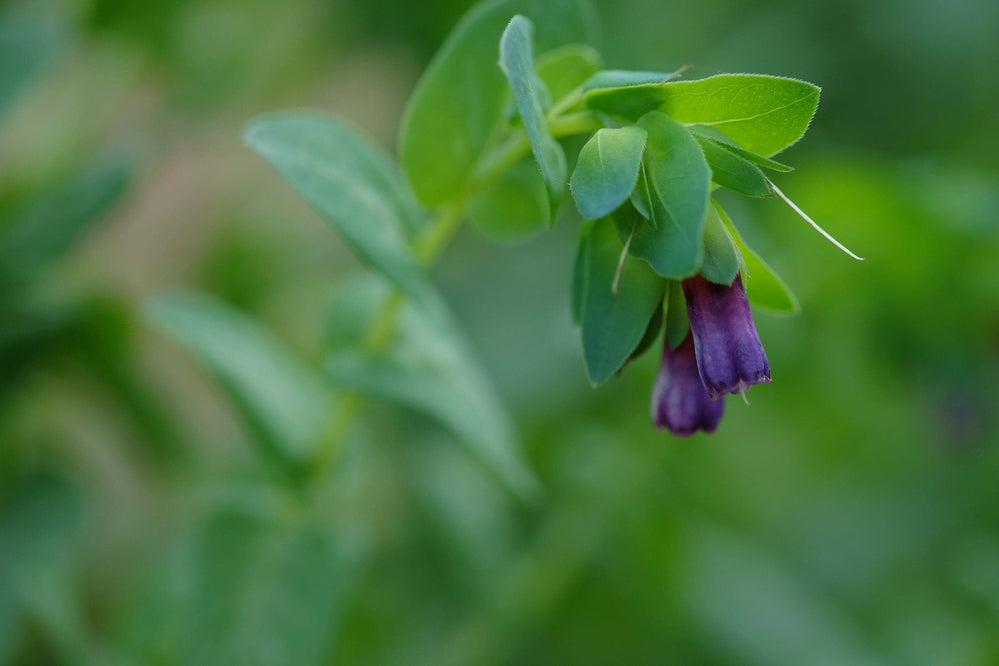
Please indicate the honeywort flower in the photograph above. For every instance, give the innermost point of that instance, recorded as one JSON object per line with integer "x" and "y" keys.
{"x": 679, "y": 400}
{"x": 729, "y": 353}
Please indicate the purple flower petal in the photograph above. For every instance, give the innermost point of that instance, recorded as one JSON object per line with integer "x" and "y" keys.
{"x": 679, "y": 400}
{"x": 730, "y": 356}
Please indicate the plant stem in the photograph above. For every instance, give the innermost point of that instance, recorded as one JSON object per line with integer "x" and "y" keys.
{"x": 376, "y": 339}
{"x": 427, "y": 247}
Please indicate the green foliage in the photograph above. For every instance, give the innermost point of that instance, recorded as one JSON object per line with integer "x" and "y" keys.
{"x": 733, "y": 171}
{"x": 679, "y": 181}
{"x": 279, "y": 398}
{"x": 514, "y": 205}
{"x": 457, "y": 104}
{"x": 763, "y": 286}
{"x": 764, "y": 114}
{"x": 265, "y": 593}
{"x": 533, "y": 100}
{"x": 708, "y": 134}
{"x": 676, "y": 322}
{"x": 616, "y": 78}
{"x": 39, "y": 515}
{"x": 721, "y": 259}
{"x": 564, "y": 69}
{"x": 431, "y": 369}
{"x": 615, "y": 309}
{"x": 54, "y": 222}
{"x": 607, "y": 170}
{"x": 351, "y": 183}
{"x": 28, "y": 40}
{"x": 667, "y": 548}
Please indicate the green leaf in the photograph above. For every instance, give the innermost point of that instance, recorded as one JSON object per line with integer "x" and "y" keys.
{"x": 281, "y": 400}
{"x": 679, "y": 181}
{"x": 49, "y": 227}
{"x": 732, "y": 171}
{"x": 566, "y": 68}
{"x": 579, "y": 267}
{"x": 677, "y": 323}
{"x": 764, "y": 287}
{"x": 764, "y": 114}
{"x": 431, "y": 368}
{"x": 512, "y": 206}
{"x": 721, "y": 259}
{"x": 651, "y": 335}
{"x": 28, "y": 38}
{"x": 265, "y": 593}
{"x": 613, "y": 324}
{"x": 607, "y": 170}
{"x": 458, "y": 102}
{"x": 641, "y": 195}
{"x": 533, "y": 99}
{"x": 39, "y": 516}
{"x": 352, "y": 184}
{"x": 720, "y": 138}
{"x": 618, "y": 78}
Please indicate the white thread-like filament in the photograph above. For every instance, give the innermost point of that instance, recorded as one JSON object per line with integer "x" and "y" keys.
{"x": 812, "y": 222}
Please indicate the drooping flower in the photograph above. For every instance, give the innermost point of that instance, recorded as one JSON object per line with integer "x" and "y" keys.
{"x": 679, "y": 400}
{"x": 730, "y": 356}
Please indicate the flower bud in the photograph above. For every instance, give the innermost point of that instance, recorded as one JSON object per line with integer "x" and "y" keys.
{"x": 679, "y": 400}
{"x": 730, "y": 356}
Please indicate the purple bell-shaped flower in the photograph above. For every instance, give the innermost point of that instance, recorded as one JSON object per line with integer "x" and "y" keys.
{"x": 679, "y": 400}
{"x": 730, "y": 356}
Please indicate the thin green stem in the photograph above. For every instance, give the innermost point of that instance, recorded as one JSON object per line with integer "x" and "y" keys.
{"x": 580, "y": 122}
{"x": 375, "y": 341}
{"x": 430, "y": 245}
{"x": 566, "y": 103}
{"x": 427, "y": 247}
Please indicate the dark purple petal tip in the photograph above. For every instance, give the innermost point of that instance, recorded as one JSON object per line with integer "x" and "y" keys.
{"x": 730, "y": 356}
{"x": 680, "y": 402}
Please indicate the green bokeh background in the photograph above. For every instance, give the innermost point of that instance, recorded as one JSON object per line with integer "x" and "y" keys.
{"x": 849, "y": 516}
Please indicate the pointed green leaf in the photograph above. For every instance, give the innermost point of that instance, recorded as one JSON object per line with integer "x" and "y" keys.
{"x": 48, "y": 227}
{"x": 265, "y": 593}
{"x": 39, "y": 516}
{"x": 677, "y": 323}
{"x": 618, "y": 78}
{"x": 722, "y": 139}
{"x": 641, "y": 195}
{"x": 566, "y": 68}
{"x": 764, "y": 287}
{"x": 352, "y": 184}
{"x": 433, "y": 369}
{"x": 28, "y": 38}
{"x": 614, "y": 323}
{"x": 763, "y": 114}
{"x": 721, "y": 259}
{"x": 513, "y": 206}
{"x": 579, "y": 274}
{"x": 732, "y": 171}
{"x": 651, "y": 335}
{"x": 281, "y": 400}
{"x": 679, "y": 181}
{"x": 458, "y": 102}
{"x": 607, "y": 170}
{"x": 532, "y": 98}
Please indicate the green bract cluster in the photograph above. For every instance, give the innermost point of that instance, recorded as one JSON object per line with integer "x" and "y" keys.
{"x": 483, "y": 140}
{"x": 645, "y": 179}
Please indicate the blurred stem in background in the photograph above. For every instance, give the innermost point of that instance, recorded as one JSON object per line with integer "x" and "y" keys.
{"x": 428, "y": 247}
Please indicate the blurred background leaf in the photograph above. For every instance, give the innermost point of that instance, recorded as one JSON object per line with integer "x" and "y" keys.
{"x": 279, "y": 398}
